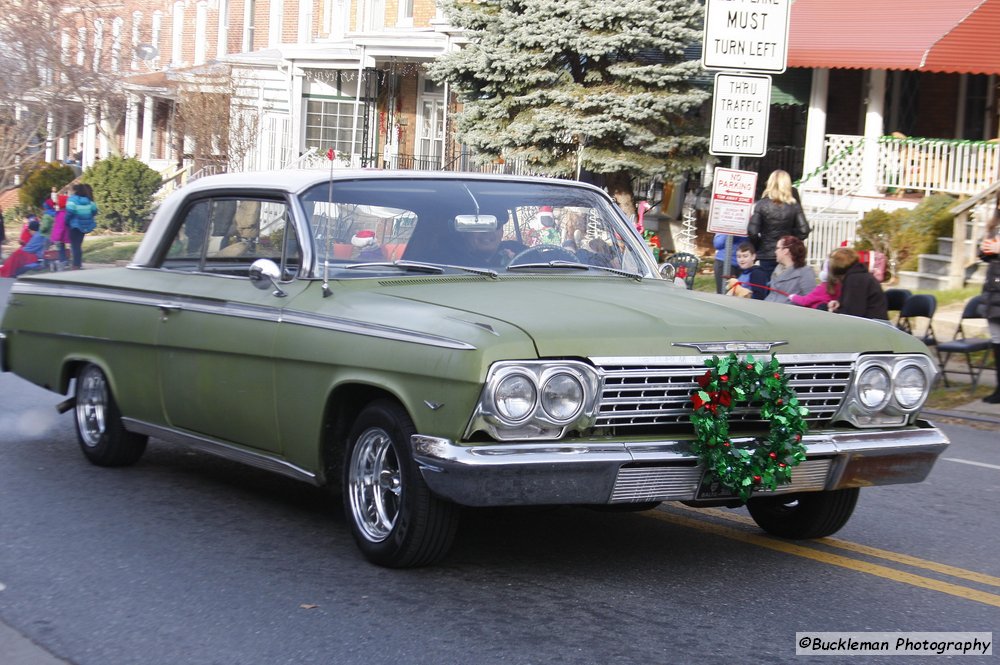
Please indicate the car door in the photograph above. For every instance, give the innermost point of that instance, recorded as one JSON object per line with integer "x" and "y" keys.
{"x": 217, "y": 332}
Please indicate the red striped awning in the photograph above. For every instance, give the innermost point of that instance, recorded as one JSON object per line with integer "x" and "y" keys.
{"x": 959, "y": 36}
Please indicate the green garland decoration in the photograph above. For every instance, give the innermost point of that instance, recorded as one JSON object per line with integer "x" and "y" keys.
{"x": 728, "y": 382}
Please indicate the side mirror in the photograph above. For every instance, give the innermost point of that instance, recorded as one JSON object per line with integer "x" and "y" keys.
{"x": 264, "y": 274}
{"x": 668, "y": 271}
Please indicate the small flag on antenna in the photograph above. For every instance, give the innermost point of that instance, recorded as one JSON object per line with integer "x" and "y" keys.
{"x": 331, "y": 154}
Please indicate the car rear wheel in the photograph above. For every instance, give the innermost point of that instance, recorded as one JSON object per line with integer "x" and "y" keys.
{"x": 99, "y": 429}
{"x": 395, "y": 519}
{"x": 807, "y": 515}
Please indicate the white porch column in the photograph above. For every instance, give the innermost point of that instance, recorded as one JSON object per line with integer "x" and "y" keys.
{"x": 874, "y": 113}
{"x": 131, "y": 125}
{"x": 296, "y": 141}
{"x": 103, "y": 143}
{"x": 815, "y": 148}
{"x": 89, "y": 135}
{"x": 146, "y": 152}
{"x": 50, "y": 142}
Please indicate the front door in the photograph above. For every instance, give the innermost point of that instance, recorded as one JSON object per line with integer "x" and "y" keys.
{"x": 216, "y": 337}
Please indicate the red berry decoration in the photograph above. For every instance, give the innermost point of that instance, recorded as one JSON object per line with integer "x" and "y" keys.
{"x": 772, "y": 455}
{"x": 756, "y": 479}
{"x": 724, "y": 378}
{"x": 777, "y": 376}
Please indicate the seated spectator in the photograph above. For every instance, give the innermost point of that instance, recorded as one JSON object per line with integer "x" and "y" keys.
{"x": 819, "y": 297}
{"x": 861, "y": 294}
{"x": 792, "y": 276}
{"x": 28, "y": 256}
{"x": 752, "y": 277}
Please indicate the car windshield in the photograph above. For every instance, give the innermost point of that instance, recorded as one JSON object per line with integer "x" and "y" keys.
{"x": 489, "y": 226}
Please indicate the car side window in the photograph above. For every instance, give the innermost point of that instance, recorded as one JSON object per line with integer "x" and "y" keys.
{"x": 226, "y": 235}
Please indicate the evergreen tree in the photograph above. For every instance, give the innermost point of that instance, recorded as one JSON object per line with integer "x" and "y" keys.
{"x": 564, "y": 84}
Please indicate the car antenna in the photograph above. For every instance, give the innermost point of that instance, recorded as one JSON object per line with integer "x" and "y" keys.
{"x": 329, "y": 200}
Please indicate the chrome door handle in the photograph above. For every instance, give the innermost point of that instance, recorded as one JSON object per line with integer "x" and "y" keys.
{"x": 167, "y": 308}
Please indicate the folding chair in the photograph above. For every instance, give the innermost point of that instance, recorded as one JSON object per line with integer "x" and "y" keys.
{"x": 920, "y": 306}
{"x": 690, "y": 262}
{"x": 965, "y": 346}
{"x": 895, "y": 298}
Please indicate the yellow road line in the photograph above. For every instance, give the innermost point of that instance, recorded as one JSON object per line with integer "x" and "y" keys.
{"x": 905, "y": 559}
{"x": 828, "y": 558}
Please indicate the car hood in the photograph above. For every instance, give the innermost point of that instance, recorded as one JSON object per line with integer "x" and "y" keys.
{"x": 588, "y": 317}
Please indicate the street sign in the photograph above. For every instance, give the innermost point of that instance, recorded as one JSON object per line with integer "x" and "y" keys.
{"x": 732, "y": 201}
{"x": 741, "y": 111}
{"x": 749, "y": 35}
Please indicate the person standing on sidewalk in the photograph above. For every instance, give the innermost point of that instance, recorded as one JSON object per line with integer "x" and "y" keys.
{"x": 778, "y": 213}
{"x": 80, "y": 213}
{"x": 989, "y": 251}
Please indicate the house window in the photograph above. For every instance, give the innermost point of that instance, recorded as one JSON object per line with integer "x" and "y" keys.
{"x": 430, "y": 124}
{"x": 405, "y": 17}
{"x": 249, "y": 7}
{"x": 331, "y": 123}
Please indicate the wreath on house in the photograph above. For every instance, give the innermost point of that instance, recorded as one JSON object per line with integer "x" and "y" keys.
{"x": 729, "y": 382}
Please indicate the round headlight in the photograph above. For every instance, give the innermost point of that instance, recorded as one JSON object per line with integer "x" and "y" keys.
{"x": 910, "y": 386}
{"x": 562, "y": 397}
{"x": 515, "y": 397}
{"x": 873, "y": 388}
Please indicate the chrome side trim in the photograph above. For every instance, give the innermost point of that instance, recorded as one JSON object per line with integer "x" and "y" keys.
{"x": 3, "y": 353}
{"x": 372, "y": 330}
{"x": 254, "y": 312}
{"x": 228, "y": 451}
{"x": 608, "y": 471}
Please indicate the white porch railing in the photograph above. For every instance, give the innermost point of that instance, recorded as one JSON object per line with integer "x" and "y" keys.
{"x": 918, "y": 164}
{"x": 827, "y": 231}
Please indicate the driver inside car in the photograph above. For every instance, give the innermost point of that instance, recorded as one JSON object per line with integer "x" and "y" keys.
{"x": 485, "y": 248}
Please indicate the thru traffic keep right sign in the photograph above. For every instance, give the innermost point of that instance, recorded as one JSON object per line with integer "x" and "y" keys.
{"x": 741, "y": 110}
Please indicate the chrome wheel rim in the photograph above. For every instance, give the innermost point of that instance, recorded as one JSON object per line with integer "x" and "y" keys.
{"x": 91, "y": 406}
{"x": 375, "y": 484}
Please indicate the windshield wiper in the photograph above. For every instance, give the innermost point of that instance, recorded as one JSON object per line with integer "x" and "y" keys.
{"x": 418, "y": 266}
{"x": 576, "y": 266}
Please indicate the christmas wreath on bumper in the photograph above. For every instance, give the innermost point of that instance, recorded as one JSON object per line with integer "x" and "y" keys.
{"x": 729, "y": 382}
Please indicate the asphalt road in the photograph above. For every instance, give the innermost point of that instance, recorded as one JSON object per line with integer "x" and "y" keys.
{"x": 185, "y": 558}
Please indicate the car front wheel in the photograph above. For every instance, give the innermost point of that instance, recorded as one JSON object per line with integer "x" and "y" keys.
{"x": 807, "y": 515}
{"x": 395, "y": 519}
{"x": 99, "y": 429}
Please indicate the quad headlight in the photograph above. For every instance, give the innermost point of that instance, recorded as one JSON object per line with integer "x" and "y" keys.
{"x": 536, "y": 399}
{"x": 888, "y": 389}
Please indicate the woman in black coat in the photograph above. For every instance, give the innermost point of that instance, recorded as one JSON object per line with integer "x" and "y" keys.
{"x": 989, "y": 251}
{"x": 860, "y": 293}
{"x": 776, "y": 214}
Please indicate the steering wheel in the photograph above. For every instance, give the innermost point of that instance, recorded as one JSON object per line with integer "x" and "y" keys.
{"x": 544, "y": 254}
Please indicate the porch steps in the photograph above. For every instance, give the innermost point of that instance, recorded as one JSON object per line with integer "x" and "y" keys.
{"x": 932, "y": 270}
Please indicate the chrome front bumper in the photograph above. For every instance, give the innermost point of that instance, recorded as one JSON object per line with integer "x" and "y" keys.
{"x": 518, "y": 474}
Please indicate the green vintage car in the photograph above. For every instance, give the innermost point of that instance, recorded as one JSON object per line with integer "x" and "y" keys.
{"x": 429, "y": 341}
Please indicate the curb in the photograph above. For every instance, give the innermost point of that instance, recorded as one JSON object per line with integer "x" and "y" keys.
{"x": 961, "y": 415}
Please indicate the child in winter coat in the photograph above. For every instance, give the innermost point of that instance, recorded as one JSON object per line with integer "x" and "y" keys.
{"x": 60, "y": 232}
{"x": 81, "y": 212}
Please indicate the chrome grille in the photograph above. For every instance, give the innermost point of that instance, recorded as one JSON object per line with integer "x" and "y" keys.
{"x": 664, "y": 483}
{"x": 659, "y": 394}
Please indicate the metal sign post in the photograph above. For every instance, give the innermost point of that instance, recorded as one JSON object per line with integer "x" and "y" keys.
{"x": 749, "y": 36}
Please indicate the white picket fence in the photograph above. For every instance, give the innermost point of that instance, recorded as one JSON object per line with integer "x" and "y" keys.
{"x": 829, "y": 230}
